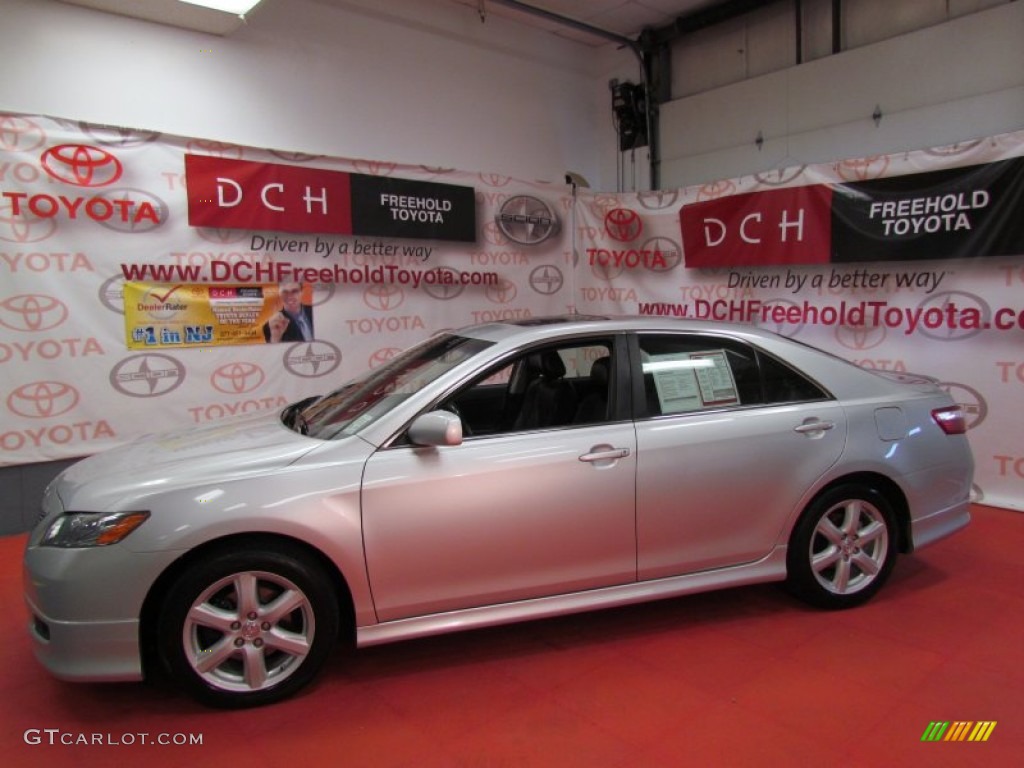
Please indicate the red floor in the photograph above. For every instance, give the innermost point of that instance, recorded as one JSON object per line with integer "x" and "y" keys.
{"x": 738, "y": 678}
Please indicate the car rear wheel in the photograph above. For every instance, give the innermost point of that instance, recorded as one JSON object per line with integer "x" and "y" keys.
{"x": 242, "y": 629}
{"x": 843, "y": 548}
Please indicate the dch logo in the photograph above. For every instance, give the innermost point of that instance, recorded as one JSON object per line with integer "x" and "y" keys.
{"x": 147, "y": 375}
{"x": 623, "y": 225}
{"x": 237, "y": 378}
{"x": 42, "y": 399}
{"x": 32, "y": 312}
{"x": 81, "y": 165}
{"x": 526, "y": 220}
{"x": 312, "y": 359}
{"x": 383, "y": 298}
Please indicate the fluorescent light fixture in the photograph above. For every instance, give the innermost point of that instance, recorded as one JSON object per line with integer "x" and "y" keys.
{"x": 237, "y": 7}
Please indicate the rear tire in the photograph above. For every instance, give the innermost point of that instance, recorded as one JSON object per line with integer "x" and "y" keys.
{"x": 843, "y": 548}
{"x": 247, "y": 628}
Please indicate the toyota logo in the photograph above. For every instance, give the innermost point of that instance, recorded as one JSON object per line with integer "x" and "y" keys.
{"x": 147, "y": 375}
{"x": 547, "y": 279}
{"x": 25, "y": 227}
{"x": 526, "y": 220}
{"x": 864, "y": 168}
{"x": 781, "y": 176}
{"x": 658, "y": 199}
{"x": 221, "y": 236}
{"x": 974, "y": 405}
{"x": 495, "y": 179}
{"x": 860, "y": 337}
{"x": 959, "y": 299}
{"x": 669, "y": 254}
{"x": 374, "y": 168}
{"x": 312, "y": 359}
{"x": 381, "y": 356}
{"x": 383, "y": 298}
{"x": 42, "y": 399}
{"x": 81, "y": 165}
{"x": 237, "y": 378}
{"x": 503, "y": 293}
{"x": 19, "y": 134}
{"x": 32, "y": 312}
{"x": 114, "y": 136}
{"x": 623, "y": 225}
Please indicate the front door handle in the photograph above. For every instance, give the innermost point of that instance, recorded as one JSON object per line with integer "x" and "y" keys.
{"x": 604, "y": 453}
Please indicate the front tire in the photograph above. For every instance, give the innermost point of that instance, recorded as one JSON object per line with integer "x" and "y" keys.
{"x": 247, "y": 628}
{"x": 843, "y": 548}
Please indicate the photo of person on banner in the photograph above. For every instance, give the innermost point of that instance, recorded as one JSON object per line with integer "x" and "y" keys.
{"x": 294, "y": 319}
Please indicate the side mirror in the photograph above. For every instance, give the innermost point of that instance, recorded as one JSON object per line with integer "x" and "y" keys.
{"x": 436, "y": 428}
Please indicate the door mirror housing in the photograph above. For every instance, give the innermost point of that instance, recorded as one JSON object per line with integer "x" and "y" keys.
{"x": 436, "y": 428}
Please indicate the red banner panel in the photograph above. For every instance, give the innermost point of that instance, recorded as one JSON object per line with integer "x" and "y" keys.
{"x": 779, "y": 226}
{"x": 237, "y": 194}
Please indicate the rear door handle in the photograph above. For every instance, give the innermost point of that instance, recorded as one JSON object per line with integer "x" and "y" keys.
{"x": 602, "y": 453}
{"x": 814, "y": 425}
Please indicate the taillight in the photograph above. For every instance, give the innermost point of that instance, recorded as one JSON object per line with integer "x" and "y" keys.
{"x": 951, "y": 420}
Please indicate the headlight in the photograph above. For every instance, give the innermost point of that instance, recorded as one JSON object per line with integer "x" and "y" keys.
{"x": 84, "y": 529}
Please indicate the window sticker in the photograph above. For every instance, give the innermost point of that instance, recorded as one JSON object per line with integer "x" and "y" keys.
{"x": 691, "y": 381}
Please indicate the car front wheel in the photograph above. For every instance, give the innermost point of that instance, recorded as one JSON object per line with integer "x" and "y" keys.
{"x": 243, "y": 629}
{"x": 843, "y": 548}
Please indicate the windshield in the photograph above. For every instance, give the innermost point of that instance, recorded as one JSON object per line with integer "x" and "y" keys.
{"x": 366, "y": 398}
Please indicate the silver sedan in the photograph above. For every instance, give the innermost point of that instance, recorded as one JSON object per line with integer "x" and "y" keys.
{"x": 494, "y": 474}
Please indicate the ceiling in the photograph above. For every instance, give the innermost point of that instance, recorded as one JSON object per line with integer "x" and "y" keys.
{"x": 626, "y": 18}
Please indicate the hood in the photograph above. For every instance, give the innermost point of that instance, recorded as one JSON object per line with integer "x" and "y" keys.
{"x": 161, "y": 462}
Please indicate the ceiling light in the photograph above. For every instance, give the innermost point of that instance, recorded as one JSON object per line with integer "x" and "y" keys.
{"x": 237, "y": 7}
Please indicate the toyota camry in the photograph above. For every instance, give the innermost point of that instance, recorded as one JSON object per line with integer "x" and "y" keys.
{"x": 498, "y": 473}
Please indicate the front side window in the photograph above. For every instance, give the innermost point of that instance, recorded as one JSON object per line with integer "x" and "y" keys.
{"x": 368, "y": 397}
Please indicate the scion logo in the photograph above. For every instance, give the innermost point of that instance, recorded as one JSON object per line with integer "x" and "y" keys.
{"x": 975, "y": 406}
{"x": 526, "y": 220}
{"x": 623, "y": 225}
{"x": 503, "y": 293}
{"x": 42, "y": 399}
{"x": 965, "y": 305}
{"x": 312, "y": 359}
{"x": 441, "y": 290}
{"x": 860, "y": 337}
{"x": 81, "y": 165}
{"x": 113, "y": 136}
{"x": 156, "y": 210}
{"x": 666, "y": 254}
{"x": 23, "y": 227}
{"x": 381, "y": 356}
{"x": 147, "y": 375}
{"x": 547, "y": 279}
{"x": 19, "y": 134}
{"x": 237, "y": 378}
{"x": 383, "y": 298}
{"x": 32, "y": 312}
{"x": 111, "y": 294}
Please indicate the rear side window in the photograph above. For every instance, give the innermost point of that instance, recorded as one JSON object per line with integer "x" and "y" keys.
{"x": 687, "y": 373}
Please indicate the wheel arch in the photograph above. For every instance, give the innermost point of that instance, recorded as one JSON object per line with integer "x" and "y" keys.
{"x": 148, "y": 618}
{"x": 888, "y": 488}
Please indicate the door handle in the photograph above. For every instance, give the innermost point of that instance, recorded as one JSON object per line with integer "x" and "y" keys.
{"x": 601, "y": 453}
{"x": 812, "y": 426}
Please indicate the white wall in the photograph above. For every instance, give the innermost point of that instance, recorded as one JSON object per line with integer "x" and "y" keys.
{"x": 947, "y": 83}
{"x": 393, "y": 80}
